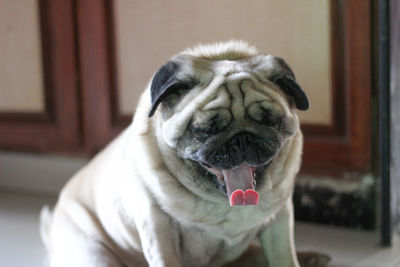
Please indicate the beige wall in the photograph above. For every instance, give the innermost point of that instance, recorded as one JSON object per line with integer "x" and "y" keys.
{"x": 149, "y": 32}
{"x": 21, "y": 85}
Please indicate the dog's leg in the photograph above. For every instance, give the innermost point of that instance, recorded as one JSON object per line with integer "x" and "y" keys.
{"x": 84, "y": 253}
{"x": 159, "y": 237}
{"x": 277, "y": 239}
{"x": 81, "y": 245}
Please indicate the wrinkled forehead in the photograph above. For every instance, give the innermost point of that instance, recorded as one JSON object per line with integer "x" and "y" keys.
{"x": 250, "y": 71}
{"x": 203, "y": 69}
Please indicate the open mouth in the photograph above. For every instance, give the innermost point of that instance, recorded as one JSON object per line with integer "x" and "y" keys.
{"x": 240, "y": 184}
{"x": 237, "y": 163}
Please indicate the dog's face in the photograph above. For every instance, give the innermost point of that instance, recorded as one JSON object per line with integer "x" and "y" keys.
{"x": 228, "y": 115}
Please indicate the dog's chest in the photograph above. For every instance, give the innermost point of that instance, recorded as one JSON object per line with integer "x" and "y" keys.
{"x": 198, "y": 247}
{"x": 201, "y": 247}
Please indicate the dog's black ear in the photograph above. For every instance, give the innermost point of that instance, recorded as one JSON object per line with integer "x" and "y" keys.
{"x": 165, "y": 82}
{"x": 286, "y": 81}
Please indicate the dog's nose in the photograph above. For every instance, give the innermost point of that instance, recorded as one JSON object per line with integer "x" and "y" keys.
{"x": 241, "y": 140}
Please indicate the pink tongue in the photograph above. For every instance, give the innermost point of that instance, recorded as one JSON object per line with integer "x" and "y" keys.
{"x": 239, "y": 186}
{"x": 250, "y": 197}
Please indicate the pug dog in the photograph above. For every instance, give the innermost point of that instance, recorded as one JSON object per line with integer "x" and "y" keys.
{"x": 206, "y": 167}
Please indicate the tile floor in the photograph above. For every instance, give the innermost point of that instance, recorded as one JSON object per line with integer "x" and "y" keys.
{"x": 20, "y": 244}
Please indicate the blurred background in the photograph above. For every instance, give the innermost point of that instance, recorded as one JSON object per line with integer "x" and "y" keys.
{"x": 71, "y": 72}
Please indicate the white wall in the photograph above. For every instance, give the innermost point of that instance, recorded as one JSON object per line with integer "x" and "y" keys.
{"x": 26, "y": 172}
{"x": 21, "y": 81}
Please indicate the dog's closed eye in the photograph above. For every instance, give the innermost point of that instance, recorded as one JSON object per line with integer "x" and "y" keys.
{"x": 261, "y": 113}
{"x": 209, "y": 123}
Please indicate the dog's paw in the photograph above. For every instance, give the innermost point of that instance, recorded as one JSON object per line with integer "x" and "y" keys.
{"x": 313, "y": 259}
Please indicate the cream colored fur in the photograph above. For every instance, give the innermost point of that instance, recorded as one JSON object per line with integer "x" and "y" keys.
{"x": 137, "y": 204}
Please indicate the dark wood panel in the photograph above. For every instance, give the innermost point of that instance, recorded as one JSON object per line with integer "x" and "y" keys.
{"x": 349, "y": 148}
{"x": 98, "y": 79}
{"x": 58, "y": 128}
{"x": 359, "y": 80}
{"x": 102, "y": 120}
